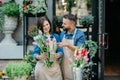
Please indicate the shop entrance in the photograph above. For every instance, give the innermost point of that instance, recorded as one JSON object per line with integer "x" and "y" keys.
{"x": 112, "y": 55}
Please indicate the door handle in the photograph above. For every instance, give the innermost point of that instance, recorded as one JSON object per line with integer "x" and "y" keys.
{"x": 105, "y": 40}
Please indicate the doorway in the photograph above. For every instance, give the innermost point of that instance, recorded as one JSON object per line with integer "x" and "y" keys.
{"x": 112, "y": 54}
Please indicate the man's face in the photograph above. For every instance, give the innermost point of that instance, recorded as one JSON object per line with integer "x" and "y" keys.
{"x": 66, "y": 24}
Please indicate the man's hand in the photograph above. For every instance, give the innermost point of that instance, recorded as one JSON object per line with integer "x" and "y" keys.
{"x": 62, "y": 44}
{"x": 66, "y": 44}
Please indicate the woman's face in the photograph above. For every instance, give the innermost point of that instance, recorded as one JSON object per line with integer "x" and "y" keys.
{"x": 46, "y": 27}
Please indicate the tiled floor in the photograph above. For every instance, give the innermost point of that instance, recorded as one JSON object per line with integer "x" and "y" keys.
{"x": 112, "y": 78}
{"x": 112, "y": 72}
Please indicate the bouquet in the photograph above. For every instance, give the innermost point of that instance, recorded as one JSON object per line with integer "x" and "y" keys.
{"x": 80, "y": 57}
{"x": 80, "y": 60}
{"x": 46, "y": 46}
{"x": 83, "y": 60}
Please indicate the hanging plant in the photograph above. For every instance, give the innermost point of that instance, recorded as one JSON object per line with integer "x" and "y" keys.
{"x": 34, "y": 6}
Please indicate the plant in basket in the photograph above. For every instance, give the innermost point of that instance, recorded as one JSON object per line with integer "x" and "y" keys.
{"x": 34, "y": 6}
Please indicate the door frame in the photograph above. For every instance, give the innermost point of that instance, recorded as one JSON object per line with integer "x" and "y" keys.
{"x": 101, "y": 38}
{"x": 99, "y": 34}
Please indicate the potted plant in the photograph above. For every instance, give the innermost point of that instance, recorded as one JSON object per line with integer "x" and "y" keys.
{"x": 87, "y": 20}
{"x": 88, "y": 70}
{"x": 11, "y": 8}
{"x": 11, "y": 14}
{"x": 18, "y": 70}
{"x": 29, "y": 59}
{"x": 34, "y": 6}
{"x": 1, "y": 16}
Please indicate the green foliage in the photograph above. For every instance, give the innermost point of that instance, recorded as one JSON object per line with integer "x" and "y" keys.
{"x": 32, "y": 31}
{"x": 70, "y": 4}
{"x": 1, "y": 18}
{"x": 89, "y": 4}
{"x": 34, "y": 7}
{"x": 29, "y": 59}
{"x": 92, "y": 49}
{"x": 87, "y": 20}
{"x": 58, "y": 19}
{"x": 11, "y": 9}
{"x": 17, "y": 69}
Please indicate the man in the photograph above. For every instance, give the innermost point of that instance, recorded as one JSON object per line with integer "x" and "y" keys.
{"x": 70, "y": 38}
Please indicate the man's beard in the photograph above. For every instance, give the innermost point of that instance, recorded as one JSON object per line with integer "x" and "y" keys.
{"x": 65, "y": 29}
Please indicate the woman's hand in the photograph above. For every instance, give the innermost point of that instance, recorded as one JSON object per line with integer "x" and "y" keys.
{"x": 42, "y": 56}
{"x": 57, "y": 56}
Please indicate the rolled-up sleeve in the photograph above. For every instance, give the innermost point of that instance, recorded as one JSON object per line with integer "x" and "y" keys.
{"x": 36, "y": 51}
{"x": 79, "y": 38}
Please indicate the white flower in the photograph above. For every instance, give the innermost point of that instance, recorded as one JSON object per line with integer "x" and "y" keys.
{"x": 37, "y": 37}
{"x": 40, "y": 32}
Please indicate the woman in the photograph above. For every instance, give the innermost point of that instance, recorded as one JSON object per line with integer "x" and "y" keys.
{"x": 43, "y": 72}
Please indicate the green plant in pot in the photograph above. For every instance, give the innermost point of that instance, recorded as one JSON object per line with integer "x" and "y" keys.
{"x": 1, "y": 19}
{"x": 11, "y": 13}
{"x": 87, "y": 20}
{"x": 29, "y": 59}
{"x": 11, "y": 8}
{"x": 1, "y": 16}
{"x": 92, "y": 48}
{"x": 16, "y": 70}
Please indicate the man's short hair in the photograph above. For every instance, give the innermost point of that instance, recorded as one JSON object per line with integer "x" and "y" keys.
{"x": 70, "y": 17}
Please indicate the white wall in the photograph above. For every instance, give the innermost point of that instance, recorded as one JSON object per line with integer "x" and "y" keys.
{"x": 17, "y": 51}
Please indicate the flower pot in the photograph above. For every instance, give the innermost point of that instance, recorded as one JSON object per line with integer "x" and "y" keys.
{"x": 15, "y": 78}
{"x": 8, "y": 28}
{"x": 20, "y": 78}
{"x": 77, "y": 74}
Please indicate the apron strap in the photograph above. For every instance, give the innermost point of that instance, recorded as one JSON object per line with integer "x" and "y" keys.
{"x": 73, "y": 34}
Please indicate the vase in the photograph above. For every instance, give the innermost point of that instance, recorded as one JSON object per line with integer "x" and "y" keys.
{"x": 77, "y": 74}
{"x": 10, "y": 25}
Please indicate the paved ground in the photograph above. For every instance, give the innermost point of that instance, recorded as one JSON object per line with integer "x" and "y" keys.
{"x": 4, "y": 62}
{"x": 111, "y": 72}
{"x": 112, "y": 78}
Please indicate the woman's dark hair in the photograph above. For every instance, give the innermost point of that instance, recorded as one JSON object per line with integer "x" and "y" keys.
{"x": 40, "y": 22}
